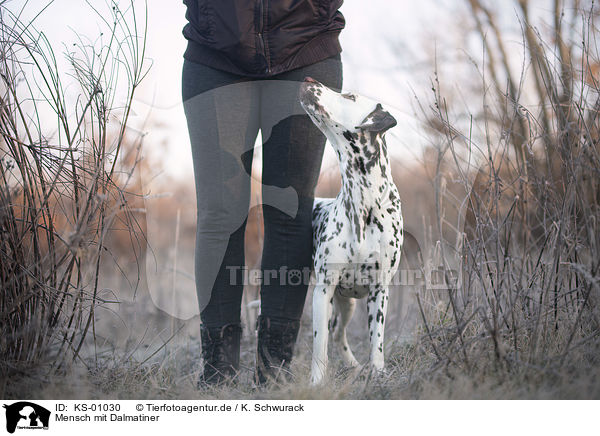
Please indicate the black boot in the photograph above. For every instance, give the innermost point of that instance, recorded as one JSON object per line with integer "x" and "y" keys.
{"x": 276, "y": 340}
{"x": 221, "y": 354}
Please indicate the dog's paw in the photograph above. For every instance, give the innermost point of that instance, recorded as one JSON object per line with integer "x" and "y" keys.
{"x": 348, "y": 358}
{"x": 376, "y": 372}
{"x": 316, "y": 380}
{"x": 318, "y": 373}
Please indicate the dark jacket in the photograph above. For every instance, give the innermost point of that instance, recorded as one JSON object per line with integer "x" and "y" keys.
{"x": 261, "y": 38}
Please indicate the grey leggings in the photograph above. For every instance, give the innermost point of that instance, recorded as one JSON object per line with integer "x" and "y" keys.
{"x": 224, "y": 114}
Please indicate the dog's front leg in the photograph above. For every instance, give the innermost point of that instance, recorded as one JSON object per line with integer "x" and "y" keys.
{"x": 377, "y": 308}
{"x": 322, "y": 310}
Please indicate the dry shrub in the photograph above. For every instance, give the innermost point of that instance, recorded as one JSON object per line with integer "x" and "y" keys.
{"x": 527, "y": 301}
{"x": 63, "y": 180}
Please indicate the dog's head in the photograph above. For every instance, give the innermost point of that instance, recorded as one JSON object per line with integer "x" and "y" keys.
{"x": 344, "y": 115}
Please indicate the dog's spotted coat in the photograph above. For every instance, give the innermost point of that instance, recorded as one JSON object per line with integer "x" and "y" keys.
{"x": 358, "y": 235}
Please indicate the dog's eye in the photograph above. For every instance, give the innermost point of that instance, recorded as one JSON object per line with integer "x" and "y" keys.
{"x": 349, "y": 96}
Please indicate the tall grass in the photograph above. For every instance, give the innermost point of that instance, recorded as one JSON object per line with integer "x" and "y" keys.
{"x": 527, "y": 303}
{"x": 63, "y": 179}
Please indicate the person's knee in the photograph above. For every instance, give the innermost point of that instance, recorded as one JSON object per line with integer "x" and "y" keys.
{"x": 216, "y": 213}
{"x": 300, "y": 221}
{"x": 291, "y": 235}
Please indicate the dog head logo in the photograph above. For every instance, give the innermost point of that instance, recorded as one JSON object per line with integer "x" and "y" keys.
{"x": 26, "y": 415}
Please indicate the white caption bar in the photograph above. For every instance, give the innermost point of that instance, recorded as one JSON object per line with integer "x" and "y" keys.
{"x": 208, "y": 417}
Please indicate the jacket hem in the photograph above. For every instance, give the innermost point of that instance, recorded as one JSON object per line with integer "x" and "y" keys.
{"x": 317, "y": 49}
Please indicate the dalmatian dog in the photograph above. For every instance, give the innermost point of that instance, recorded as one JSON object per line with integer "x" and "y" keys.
{"x": 357, "y": 236}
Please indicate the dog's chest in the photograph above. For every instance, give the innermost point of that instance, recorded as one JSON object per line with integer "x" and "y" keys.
{"x": 357, "y": 258}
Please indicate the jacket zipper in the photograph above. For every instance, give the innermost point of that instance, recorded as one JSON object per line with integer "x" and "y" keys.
{"x": 261, "y": 36}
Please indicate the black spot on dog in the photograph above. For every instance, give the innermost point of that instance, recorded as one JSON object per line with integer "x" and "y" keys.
{"x": 359, "y": 164}
{"x": 378, "y": 224}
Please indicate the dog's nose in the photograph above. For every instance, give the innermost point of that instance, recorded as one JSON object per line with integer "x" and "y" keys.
{"x": 310, "y": 80}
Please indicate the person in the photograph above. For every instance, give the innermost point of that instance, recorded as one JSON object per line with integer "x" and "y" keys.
{"x": 242, "y": 68}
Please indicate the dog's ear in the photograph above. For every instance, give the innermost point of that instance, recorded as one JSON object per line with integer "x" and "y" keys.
{"x": 378, "y": 121}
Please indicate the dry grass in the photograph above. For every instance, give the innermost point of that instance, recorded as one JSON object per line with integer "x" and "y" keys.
{"x": 526, "y": 307}
{"x": 63, "y": 181}
{"x": 520, "y": 226}
{"x": 411, "y": 374}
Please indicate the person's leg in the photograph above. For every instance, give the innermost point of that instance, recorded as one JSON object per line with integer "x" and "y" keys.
{"x": 222, "y": 116}
{"x": 292, "y": 153}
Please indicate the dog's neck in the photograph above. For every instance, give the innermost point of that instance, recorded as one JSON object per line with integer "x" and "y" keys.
{"x": 366, "y": 177}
